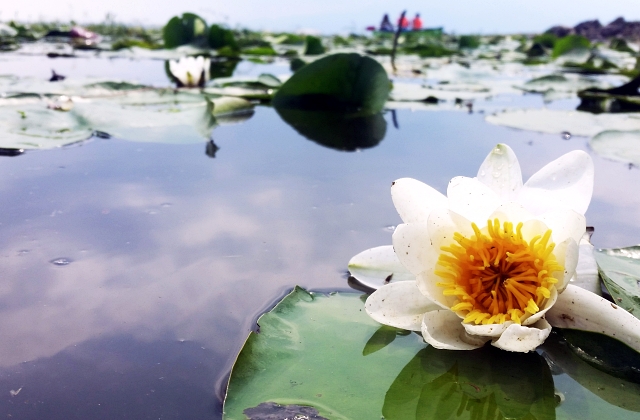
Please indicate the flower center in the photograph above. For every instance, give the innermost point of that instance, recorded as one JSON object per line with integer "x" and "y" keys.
{"x": 498, "y": 276}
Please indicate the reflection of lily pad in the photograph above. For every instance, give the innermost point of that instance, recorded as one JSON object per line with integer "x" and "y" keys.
{"x": 620, "y": 270}
{"x": 611, "y": 392}
{"x": 337, "y": 83}
{"x": 486, "y": 383}
{"x": 621, "y": 146}
{"x": 337, "y": 131}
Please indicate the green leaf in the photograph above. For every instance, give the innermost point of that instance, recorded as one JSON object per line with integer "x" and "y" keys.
{"x": 337, "y": 131}
{"x": 620, "y": 271}
{"x": 337, "y": 83}
{"x": 221, "y": 37}
{"x": 621, "y": 146}
{"x": 185, "y": 29}
{"x": 309, "y": 353}
{"x": 570, "y": 43}
{"x": 605, "y": 353}
{"x": 313, "y": 46}
{"x": 486, "y": 383}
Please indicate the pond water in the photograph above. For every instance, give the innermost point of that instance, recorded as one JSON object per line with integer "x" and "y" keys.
{"x": 133, "y": 272}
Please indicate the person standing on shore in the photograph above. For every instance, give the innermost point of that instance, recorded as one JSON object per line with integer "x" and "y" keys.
{"x": 403, "y": 23}
{"x": 416, "y": 24}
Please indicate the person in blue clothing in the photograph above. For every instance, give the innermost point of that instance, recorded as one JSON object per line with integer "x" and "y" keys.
{"x": 385, "y": 25}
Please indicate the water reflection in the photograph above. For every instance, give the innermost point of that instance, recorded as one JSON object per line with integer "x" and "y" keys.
{"x": 114, "y": 377}
{"x": 483, "y": 384}
{"x": 610, "y": 389}
{"x": 335, "y": 130}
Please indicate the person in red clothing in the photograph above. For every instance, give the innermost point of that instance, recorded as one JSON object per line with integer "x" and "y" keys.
{"x": 403, "y": 23}
{"x": 416, "y": 25}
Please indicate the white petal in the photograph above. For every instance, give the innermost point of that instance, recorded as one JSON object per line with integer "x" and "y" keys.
{"x": 566, "y": 182}
{"x": 580, "y": 309}
{"x": 490, "y": 330}
{"x": 565, "y": 224}
{"x": 523, "y": 339}
{"x": 373, "y": 266}
{"x": 587, "y": 269}
{"x": 511, "y": 212}
{"x": 427, "y": 283}
{"x": 567, "y": 255}
{"x": 399, "y": 305}
{"x": 472, "y": 199}
{"x": 500, "y": 171}
{"x": 414, "y": 200}
{"x": 414, "y": 248}
{"x": 443, "y": 330}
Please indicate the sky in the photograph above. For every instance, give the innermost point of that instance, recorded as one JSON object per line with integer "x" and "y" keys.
{"x": 335, "y": 16}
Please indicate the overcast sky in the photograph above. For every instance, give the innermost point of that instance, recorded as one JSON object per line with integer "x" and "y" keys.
{"x": 335, "y": 16}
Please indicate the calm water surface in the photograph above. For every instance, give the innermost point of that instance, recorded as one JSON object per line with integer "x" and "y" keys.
{"x": 169, "y": 255}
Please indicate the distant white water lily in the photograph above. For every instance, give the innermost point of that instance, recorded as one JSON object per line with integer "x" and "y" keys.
{"x": 491, "y": 257}
{"x": 190, "y": 71}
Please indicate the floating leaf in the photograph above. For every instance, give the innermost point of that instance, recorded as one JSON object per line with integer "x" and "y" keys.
{"x": 620, "y": 270}
{"x": 220, "y": 37}
{"x": 31, "y": 125}
{"x": 348, "y": 132}
{"x": 570, "y": 43}
{"x": 313, "y": 46}
{"x": 228, "y": 105}
{"x": 558, "y": 121}
{"x": 621, "y": 146}
{"x": 309, "y": 353}
{"x": 337, "y": 83}
{"x": 185, "y": 29}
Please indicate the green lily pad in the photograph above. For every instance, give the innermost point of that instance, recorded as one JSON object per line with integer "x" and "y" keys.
{"x": 557, "y": 121}
{"x": 31, "y": 125}
{"x": 620, "y": 271}
{"x": 346, "y": 83}
{"x": 313, "y": 46}
{"x": 570, "y": 43}
{"x": 304, "y": 342}
{"x": 323, "y": 355}
{"x": 185, "y": 29}
{"x": 621, "y": 146}
{"x": 220, "y": 37}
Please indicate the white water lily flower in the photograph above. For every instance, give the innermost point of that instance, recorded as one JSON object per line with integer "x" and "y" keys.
{"x": 190, "y": 71}
{"x": 491, "y": 257}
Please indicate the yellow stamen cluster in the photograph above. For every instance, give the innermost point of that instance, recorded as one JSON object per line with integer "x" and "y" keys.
{"x": 498, "y": 276}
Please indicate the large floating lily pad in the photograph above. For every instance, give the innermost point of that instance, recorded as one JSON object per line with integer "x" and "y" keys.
{"x": 184, "y": 29}
{"x": 555, "y": 121}
{"x": 309, "y": 352}
{"x": 346, "y": 83}
{"x": 323, "y": 357}
{"x": 621, "y": 146}
{"x": 620, "y": 270}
